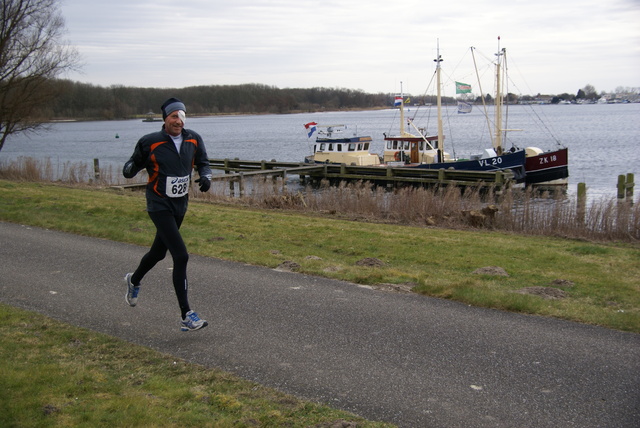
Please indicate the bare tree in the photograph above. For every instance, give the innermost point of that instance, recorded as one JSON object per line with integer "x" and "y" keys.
{"x": 32, "y": 53}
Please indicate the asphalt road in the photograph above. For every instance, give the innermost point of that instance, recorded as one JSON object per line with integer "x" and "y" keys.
{"x": 401, "y": 358}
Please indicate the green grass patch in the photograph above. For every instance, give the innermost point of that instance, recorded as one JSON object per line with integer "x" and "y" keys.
{"x": 54, "y": 374}
{"x": 599, "y": 280}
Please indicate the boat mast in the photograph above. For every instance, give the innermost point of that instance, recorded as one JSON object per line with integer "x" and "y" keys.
{"x": 438, "y": 60}
{"x": 498, "y": 102}
{"x": 402, "y": 131}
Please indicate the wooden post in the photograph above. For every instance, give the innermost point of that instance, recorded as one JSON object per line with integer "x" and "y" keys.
{"x": 582, "y": 202}
{"x": 96, "y": 169}
{"x": 284, "y": 180}
{"x": 390, "y": 182}
{"x": 630, "y": 184}
{"x": 621, "y": 186}
{"x": 232, "y": 188}
{"x": 241, "y": 184}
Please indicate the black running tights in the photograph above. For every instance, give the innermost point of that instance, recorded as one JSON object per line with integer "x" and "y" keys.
{"x": 167, "y": 238}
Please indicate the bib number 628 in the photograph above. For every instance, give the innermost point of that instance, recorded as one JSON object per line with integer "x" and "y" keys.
{"x": 177, "y": 186}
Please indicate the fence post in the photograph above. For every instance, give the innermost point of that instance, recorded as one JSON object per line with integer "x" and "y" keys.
{"x": 96, "y": 169}
{"x": 630, "y": 184}
{"x": 582, "y": 202}
{"x": 390, "y": 182}
{"x": 232, "y": 187}
{"x": 241, "y": 184}
{"x": 621, "y": 186}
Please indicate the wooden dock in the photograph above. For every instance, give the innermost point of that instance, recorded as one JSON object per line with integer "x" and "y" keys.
{"x": 237, "y": 171}
{"x": 390, "y": 176}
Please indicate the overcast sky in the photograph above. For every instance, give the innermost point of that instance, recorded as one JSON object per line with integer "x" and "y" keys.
{"x": 553, "y": 46}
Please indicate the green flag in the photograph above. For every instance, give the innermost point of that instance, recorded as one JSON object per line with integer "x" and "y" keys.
{"x": 462, "y": 88}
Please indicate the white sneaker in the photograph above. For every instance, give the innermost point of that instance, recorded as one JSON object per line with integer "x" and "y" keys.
{"x": 192, "y": 322}
{"x": 132, "y": 291}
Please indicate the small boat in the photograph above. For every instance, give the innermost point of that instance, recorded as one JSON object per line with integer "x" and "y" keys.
{"x": 151, "y": 117}
{"x": 336, "y": 144}
{"x": 464, "y": 107}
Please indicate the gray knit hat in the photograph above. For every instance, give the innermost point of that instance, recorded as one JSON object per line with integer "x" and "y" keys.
{"x": 171, "y": 105}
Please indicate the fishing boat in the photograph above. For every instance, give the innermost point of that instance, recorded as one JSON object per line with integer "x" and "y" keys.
{"x": 543, "y": 169}
{"x": 422, "y": 151}
{"x": 336, "y": 144}
{"x": 531, "y": 165}
{"x": 547, "y": 169}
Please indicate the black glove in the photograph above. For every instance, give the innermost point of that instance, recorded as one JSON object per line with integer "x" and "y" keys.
{"x": 204, "y": 183}
{"x": 129, "y": 170}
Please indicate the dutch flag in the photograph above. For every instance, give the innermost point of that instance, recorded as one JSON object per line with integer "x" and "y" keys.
{"x": 311, "y": 128}
{"x": 398, "y": 101}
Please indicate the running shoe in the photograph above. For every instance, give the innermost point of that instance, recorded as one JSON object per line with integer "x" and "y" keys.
{"x": 132, "y": 291}
{"x": 192, "y": 322}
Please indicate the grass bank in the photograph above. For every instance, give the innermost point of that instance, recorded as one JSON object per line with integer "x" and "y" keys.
{"x": 588, "y": 282}
{"x": 57, "y": 375}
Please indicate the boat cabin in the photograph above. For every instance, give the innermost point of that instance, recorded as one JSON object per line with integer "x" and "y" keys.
{"x": 412, "y": 149}
{"x": 332, "y": 146}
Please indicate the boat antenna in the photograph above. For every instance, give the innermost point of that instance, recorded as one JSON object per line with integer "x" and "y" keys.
{"x": 402, "y": 129}
{"x": 438, "y": 60}
{"x": 498, "y": 102}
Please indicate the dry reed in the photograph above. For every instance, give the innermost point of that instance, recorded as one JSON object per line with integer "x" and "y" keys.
{"x": 514, "y": 210}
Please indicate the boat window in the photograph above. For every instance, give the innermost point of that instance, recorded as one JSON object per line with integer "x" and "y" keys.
{"x": 406, "y": 145}
{"x": 330, "y": 147}
{"x": 322, "y": 147}
{"x": 366, "y": 146}
{"x": 359, "y": 146}
{"x": 352, "y": 147}
{"x": 421, "y": 145}
{"x": 339, "y": 147}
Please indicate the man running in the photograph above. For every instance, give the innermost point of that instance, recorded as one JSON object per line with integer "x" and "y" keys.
{"x": 169, "y": 157}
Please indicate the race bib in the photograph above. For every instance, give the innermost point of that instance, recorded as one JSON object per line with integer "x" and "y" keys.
{"x": 177, "y": 187}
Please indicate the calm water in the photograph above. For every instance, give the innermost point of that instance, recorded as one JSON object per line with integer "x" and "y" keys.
{"x": 603, "y": 140}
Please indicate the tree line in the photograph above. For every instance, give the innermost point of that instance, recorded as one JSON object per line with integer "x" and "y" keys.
{"x": 87, "y": 101}
{"x": 84, "y": 101}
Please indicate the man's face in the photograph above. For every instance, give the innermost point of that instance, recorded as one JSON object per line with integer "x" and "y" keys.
{"x": 173, "y": 124}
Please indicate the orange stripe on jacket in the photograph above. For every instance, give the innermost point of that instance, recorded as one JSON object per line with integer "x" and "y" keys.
{"x": 156, "y": 168}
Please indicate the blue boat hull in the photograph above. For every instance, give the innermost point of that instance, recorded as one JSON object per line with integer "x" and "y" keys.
{"x": 510, "y": 161}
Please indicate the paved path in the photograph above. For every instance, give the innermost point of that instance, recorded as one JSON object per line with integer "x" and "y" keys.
{"x": 402, "y": 358}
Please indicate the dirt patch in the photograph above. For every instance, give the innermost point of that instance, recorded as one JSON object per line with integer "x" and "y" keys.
{"x": 398, "y": 288}
{"x": 544, "y": 292}
{"x": 491, "y": 270}
{"x": 370, "y": 262}
{"x": 288, "y": 266}
{"x": 561, "y": 283}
